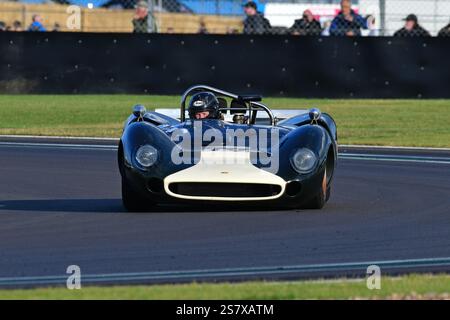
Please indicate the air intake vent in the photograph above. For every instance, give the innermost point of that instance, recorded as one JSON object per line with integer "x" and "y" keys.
{"x": 232, "y": 190}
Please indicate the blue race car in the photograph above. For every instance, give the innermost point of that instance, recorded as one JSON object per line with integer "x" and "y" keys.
{"x": 227, "y": 149}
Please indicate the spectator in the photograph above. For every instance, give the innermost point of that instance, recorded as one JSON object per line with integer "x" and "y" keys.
{"x": 373, "y": 31}
{"x": 347, "y": 22}
{"x": 445, "y": 31}
{"x": 255, "y": 23}
{"x": 306, "y": 26}
{"x": 326, "y": 28}
{"x": 2, "y": 26}
{"x": 231, "y": 30}
{"x": 17, "y": 26}
{"x": 56, "y": 27}
{"x": 36, "y": 25}
{"x": 143, "y": 21}
{"x": 412, "y": 28}
{"x": 202, "y": 29}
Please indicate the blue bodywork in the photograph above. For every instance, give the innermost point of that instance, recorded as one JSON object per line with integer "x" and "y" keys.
{"x": 294, "y": 133}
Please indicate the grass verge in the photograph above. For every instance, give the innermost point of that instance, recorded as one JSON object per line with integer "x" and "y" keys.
{"x": 372, "y": 122}
{"x": 407, "y": 287}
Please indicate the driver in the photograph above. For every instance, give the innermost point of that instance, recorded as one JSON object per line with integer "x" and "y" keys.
{"x": 204, "y": 105}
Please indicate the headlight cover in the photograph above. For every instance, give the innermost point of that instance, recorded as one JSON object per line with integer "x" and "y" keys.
{"x": 304, "y": 160}
{"x": 146, "y": 156}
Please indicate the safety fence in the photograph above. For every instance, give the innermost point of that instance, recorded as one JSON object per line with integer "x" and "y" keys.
{"x": 321, "y": 67}
{"x": 405, "y": 18}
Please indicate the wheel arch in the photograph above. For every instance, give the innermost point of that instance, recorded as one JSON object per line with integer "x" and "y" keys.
{"x": 330, "y": 163}
{"x": 120, "y": 157}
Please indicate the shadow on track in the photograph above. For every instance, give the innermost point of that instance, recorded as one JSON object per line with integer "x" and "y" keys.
{"x": 110, "y": 206}
{"x": 63, "y": 205}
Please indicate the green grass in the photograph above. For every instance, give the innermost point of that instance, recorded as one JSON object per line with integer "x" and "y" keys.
{"x": 373, "y": 122}
{"x": 412, "y": 286}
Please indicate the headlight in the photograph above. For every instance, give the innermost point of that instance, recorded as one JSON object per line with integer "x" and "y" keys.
{"x": 304, "y": 160}
{"x": 146, "y": 156}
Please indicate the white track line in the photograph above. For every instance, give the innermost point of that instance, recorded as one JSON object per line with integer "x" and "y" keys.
{"x": 58, "y": 137}
{"x": 395, "y": 158}
{"x": 348, "y": 156}
{"x": 363, "y": 146}
{"x": 117, "y": 139}
{"x": 59, "y": 145}
{"x": 193, "y": 275}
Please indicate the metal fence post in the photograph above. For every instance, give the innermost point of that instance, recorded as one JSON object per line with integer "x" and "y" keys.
{"x": 159, "y": 19}
{"x": 24, "y": 17}
{"x": 151, "y": 20}
{"x": 382, "y": 4}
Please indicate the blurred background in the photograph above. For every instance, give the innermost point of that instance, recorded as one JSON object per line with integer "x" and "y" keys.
{"x": 297, "y": 17}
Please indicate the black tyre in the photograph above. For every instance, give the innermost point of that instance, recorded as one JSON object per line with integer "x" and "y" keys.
{"x": 133, "y": 201}
{"x": 328, "y": 194}
{"x": 319, "y": 200}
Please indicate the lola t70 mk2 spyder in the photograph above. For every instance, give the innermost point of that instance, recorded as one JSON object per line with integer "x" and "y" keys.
{"x": 227, "y": 149}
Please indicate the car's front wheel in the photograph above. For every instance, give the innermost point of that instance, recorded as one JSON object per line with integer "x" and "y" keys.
{"x": 133, "y": 201}
{"x": 322, "y": 196}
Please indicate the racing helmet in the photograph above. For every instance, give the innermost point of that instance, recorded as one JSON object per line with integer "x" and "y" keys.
{"x": 204, "y": 101}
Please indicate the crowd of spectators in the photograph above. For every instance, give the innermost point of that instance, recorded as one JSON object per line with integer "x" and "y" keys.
{"x": 36, "y": 25}
{"x": 347, "y": 22}
{"x": 16, "y": 26}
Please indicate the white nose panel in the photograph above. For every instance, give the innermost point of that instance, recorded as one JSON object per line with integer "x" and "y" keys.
{"x": 224, "y": 166}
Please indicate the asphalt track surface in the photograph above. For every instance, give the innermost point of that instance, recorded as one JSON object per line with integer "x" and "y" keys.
{"x": 60, "y": 205}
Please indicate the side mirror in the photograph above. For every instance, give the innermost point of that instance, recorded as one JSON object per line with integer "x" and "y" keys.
{"x": 314, "y": 114}
{"x": 139, "y": 111}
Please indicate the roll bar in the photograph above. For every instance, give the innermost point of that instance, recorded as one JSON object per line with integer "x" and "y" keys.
{"x": 251, "y": 104}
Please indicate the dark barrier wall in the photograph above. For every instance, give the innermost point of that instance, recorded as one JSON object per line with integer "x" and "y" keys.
{"x": 270, "y": 65}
